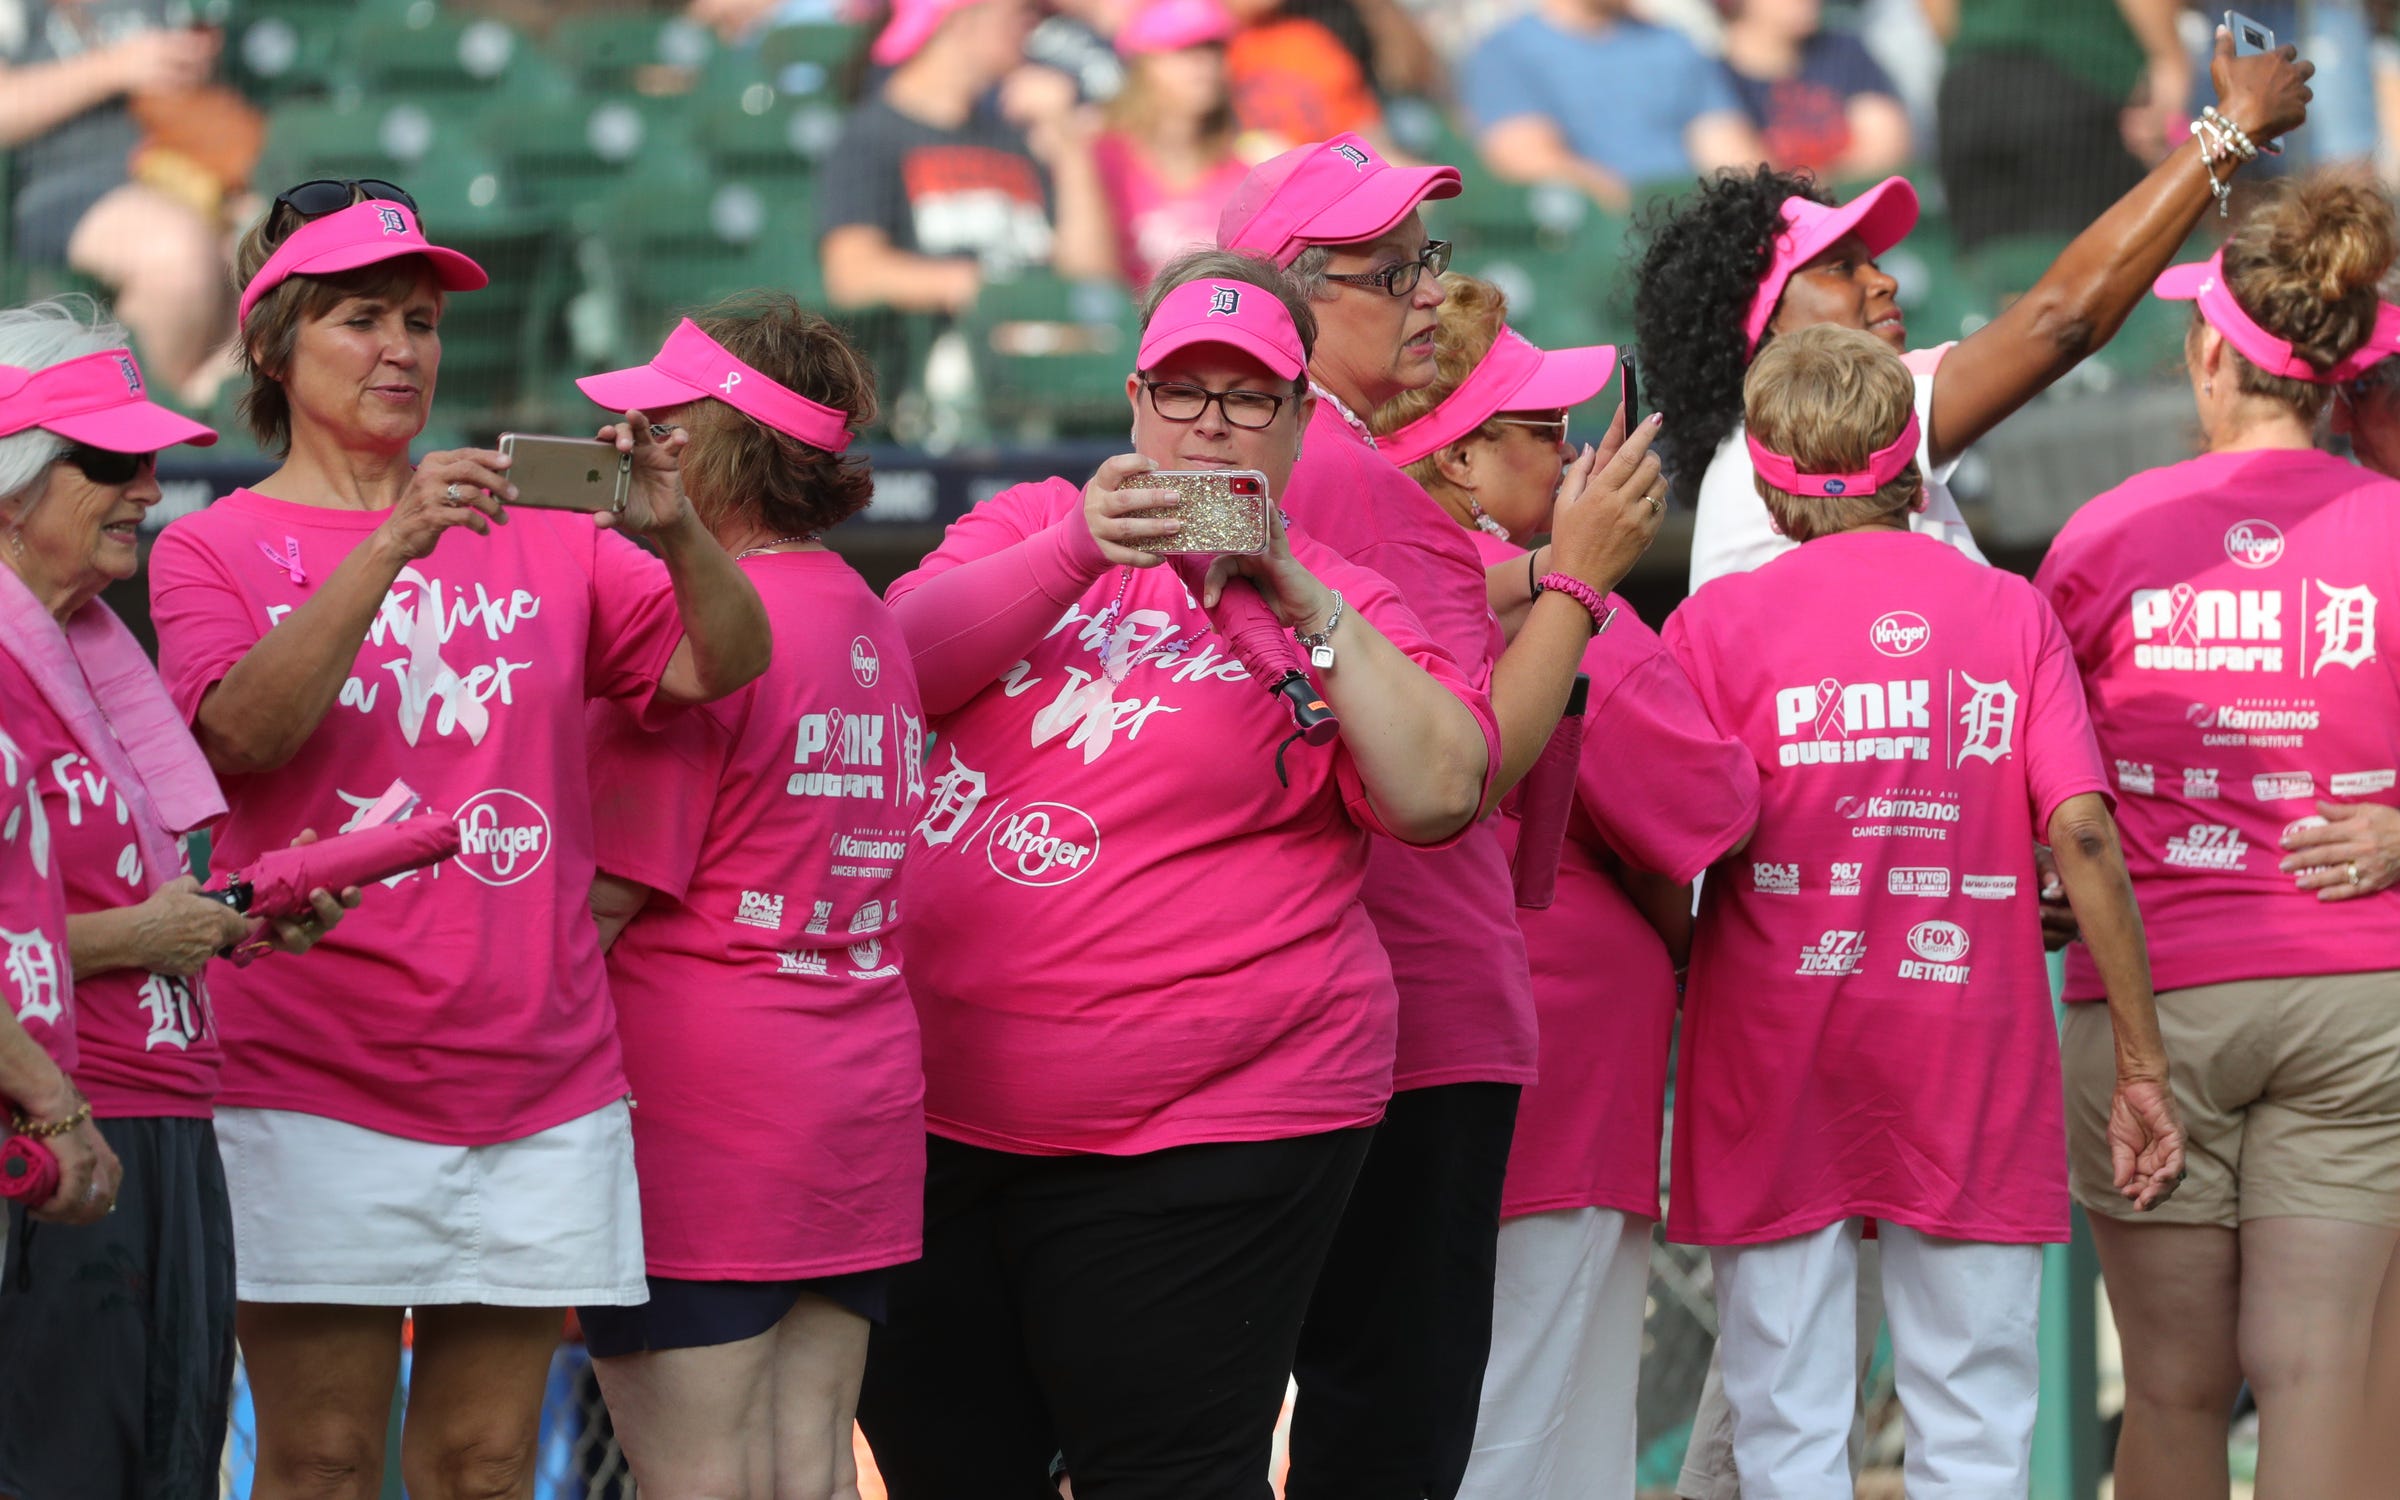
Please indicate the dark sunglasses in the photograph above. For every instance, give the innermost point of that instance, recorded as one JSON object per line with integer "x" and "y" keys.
{"x": 106, "y": 466}
{"x": 314, "y": 200}
{"x": 1400, "y": 278}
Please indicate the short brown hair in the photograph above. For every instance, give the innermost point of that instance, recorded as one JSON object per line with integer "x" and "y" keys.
{"x": 1470, "y": 322}
{"x": 1827, "y": 398}
{"x": 1211, "y": 264}
{"x": 2304, "y": 265}
{"x": 736, "y": 466}
{"x": 273, "y": 328}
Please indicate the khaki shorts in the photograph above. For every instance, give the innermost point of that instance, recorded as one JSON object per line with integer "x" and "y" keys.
{"x": 2290, "y": 1093}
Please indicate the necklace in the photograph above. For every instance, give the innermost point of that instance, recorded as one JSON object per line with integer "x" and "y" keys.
{"x": 1342, "y": 409}
{"x": 766, "y": 547}
{"x": 1172, "y": 643}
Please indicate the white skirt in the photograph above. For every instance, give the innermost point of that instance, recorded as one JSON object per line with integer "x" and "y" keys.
{"x": 327, "y": 1211}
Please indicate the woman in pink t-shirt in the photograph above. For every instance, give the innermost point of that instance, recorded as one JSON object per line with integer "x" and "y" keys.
{"x": 1650, "y": 794}
{"x": 750, "y": 853}
{"x": 2233, "y": 618}
{"x": 1157, "y": 1022}
{"x": 430, "y": 1113}
{"x": 1167, "y": 161}
{"x": 1867, "y": 1031}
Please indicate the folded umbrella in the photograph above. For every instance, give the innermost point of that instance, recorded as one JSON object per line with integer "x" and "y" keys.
{"x": 277, "y": 883}
{"x": 28, "y": 1171}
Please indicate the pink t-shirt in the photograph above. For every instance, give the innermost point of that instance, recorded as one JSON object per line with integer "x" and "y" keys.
{"x": 466, "y": 1004}
{"x": 780, "y": 1127}
{"x": 37, "y": 982}
{"x": 1157, "y": 221}
{"x": 145, "y": 1041}
{"x": 2227, "y": 613}
{"x": 1867, "y": 1024}
{"x": 1656, "y": 788}
{"x": 1447, "y": 917}
{"x": 1127, "y": 934}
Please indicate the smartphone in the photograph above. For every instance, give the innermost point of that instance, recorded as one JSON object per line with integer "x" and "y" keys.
{"x": 1629, "y": 377}
{"x": 1223, "y": 510}
{"x": 563, "y": 473}
{"x": 2248, "y": 36}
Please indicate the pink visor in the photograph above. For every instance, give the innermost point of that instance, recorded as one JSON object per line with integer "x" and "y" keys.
{"x": 2203, "y": 282}
{"x": 98, "y": 399}
{"x": 1336, "y": 192}
{"x": 691, "y": 366}
{"x": 1883, "y": 466}
{"x": 1514, "y": 376}
{"x": 364, "y": 234}
{"x": 1882, "y": 216}
{"x": 1235, "y": 314}
{"x": 1171, "y": 25}
{"x": 912, "y": 25}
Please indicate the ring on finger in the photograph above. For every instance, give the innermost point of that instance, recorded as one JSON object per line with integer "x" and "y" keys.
{"x": 2352, "y": 871}
{"x": 452, "y": 493}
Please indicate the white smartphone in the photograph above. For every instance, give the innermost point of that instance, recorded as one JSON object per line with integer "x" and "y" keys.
{"x": 2248, "y": 36}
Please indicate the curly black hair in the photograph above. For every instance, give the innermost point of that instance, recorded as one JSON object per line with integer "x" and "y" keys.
{"x": 1704, "y": 259}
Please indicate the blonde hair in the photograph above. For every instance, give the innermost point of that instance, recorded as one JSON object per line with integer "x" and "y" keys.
{"x": 1469, "y": 324}
{"x": 1827, "y": 398}
{"x": 2304, "y": 265}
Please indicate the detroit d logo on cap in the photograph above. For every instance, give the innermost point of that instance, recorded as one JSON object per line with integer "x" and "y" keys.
{"x": 132, "y": 374}
{"x": 1352, "y": 155}
{"x": 1223, "y": 301}
{"x": 391, "y": 221}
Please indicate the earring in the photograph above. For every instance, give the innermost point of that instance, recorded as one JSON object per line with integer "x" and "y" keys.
{"x": 2208, "y": 387}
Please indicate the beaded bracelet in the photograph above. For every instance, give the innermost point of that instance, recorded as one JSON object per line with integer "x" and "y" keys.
{"x": 43, "y": 1130}
{"x": 2215, "y": 147}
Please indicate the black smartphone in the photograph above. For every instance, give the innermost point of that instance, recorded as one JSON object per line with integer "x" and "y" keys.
{"x": 1629, "y": 377}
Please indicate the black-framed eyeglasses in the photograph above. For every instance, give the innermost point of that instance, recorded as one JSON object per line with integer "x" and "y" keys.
{"x": 106, "y": 465}
{"x": 325, "y": 195}
{"x": 1180, "y": 402}
{"x": 1401, "y": 278}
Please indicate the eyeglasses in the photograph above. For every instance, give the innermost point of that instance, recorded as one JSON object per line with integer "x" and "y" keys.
{"x": 105, "y": 465}
{"x": 1400, "y": 279}
{"x": 1178, "y": 402}
{"x": 1553, "y": 422}
{"x": 326, "y": 195}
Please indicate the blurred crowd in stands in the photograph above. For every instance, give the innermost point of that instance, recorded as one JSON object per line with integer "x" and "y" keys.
{"x": 1079, "y": 143}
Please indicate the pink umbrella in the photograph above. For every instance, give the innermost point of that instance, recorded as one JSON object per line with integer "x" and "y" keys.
{"x": 28, "y": 1171}
{"x": 277, "y": 883}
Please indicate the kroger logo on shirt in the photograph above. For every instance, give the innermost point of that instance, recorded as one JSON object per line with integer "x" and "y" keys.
{"x": 1043, "y": 843}
{"x": 1901, "y": 633}
{"x": 1836, "y": 953}
{"x": 503, "y": 836}
{"x": 2254, "y": 544}
{"x": 1939, "y": 946}
{"x": 865, "y": 665}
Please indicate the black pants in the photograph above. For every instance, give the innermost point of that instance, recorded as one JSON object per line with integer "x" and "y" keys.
{"x": 1136, "y": 1313}
{"x": 1391, "y": 1360}
{"x": 116, "y": 1338}
{"x": 2028, "y": 148}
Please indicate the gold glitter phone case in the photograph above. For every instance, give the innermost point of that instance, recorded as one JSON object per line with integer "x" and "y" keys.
{"x": 1223, "y": 510}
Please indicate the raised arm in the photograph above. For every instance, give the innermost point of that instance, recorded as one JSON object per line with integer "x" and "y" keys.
{"x": 37, "y": 98}
{"x": 726, "y": 639}
{"x": 863, "y": 268}
{"x": 2145, "y": 1138}
{"x": 267, "y": 705}
{"x": 2084, "y": 297}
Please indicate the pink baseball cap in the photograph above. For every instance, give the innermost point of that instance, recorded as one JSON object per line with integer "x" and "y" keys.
{"x": 1233, "y": 313}
{"x": 1882, "y": 215}
{"x": 691, "y": 366}
{"x": 1171, "y": 25}
{"x": 1336, "y": 192}
{"x": 1883, "y": 466}
{"x": 1514, "y": 376}
{"x": 912, "y": 25}
{"x": 2203, "y": 282}
{"x": 364, "y": 234}
{"x": 99, "y": 399}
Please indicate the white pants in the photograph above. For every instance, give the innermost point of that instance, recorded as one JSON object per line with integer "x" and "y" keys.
{"x": 1965, "y": 1318}
{"x": 1557, "y": 1419}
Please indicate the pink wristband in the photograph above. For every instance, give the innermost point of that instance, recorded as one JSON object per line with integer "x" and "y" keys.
{"x": 1584, "y": 594}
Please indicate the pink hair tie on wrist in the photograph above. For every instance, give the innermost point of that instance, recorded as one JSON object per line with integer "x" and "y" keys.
{"x": 1883, "y": 466}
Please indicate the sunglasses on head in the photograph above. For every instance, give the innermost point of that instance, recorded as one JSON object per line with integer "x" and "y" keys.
{"x": 314, "y": 200}
{"x": 105, "y": 465}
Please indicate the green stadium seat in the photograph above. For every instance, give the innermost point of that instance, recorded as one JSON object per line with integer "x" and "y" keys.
{"x": 759, "y": 130}
{"x": 631, "y": 53}
{"x": 810, "y": 60}
{"x": 573, "y": 157}
{"x": 1050, "y": 355}
{"x": 438, "y": 56}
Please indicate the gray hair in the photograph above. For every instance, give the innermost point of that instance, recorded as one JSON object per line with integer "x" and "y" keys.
{"x": 35, "y": 338}
{"x": 1307, "y": 274}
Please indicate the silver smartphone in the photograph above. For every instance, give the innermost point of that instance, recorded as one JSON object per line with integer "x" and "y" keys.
{"x": 2248, "y": 36}
{"x": 564, "y": 473}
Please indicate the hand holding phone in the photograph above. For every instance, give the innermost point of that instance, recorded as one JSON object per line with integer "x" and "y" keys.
{"x": 1629, "y": 378}
{"x": 2249, "y": 37}
{"x": 563, "y": 473}
{"x": 1223, "y": 511}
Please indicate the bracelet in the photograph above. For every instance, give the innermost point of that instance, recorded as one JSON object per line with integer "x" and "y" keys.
{"x": 2240, "y": 137}
{"x": 1533, "y": 585}
{"x": 1584, "y": 594}
{"x": 52, "y": 1129}
{"x": 1320, "y": 645}
{"x": 2214, "y": 147}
